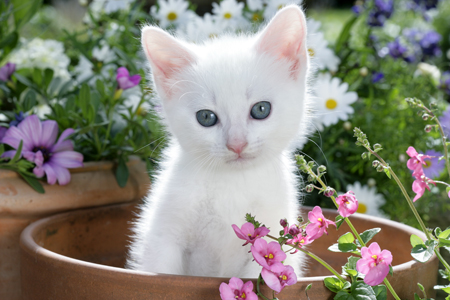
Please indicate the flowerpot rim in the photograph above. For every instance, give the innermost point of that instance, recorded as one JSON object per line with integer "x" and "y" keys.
{"x": 28, "y": 244}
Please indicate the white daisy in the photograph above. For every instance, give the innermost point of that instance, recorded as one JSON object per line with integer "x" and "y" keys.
{"x": 104, "y": 53}
{"x": 321, "y": 56}
{"x": 229, "y": 13}
{"x": 425, "y": 69}
{"x": 200, "y": 29}
{"x": 275, "y": 5}
{"x": 332, "y": 100}
{"x": 255, "y": 4}
{"x": 42, "y": 110}
{"x": 172, "y": 13}
{"x": 369, "y": 202}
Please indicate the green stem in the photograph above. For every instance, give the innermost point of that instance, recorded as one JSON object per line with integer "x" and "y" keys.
{"x": 405, "y": 193}
{"x": 391, "y": 289}
{"x": 258, "y": 292}
{"x": 442, "y": 260}
{"x": 321, "y": 261}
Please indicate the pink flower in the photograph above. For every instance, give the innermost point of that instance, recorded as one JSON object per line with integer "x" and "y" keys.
{"x": 124, "y": 79}
{"x": 248, "y": 232}
{"x": 39, "y": 147}
{"x": 374, "y": 264}
{"x": 348, "y": 204}
{"x": 420, "y": 184}
{"x": 237, "y": 290}
{"x": 278, "y": 280}
{"x": 417, "y": 160}
{"x": 269, "y": 255}
{"x": 318, "y": 225}
{"x": 299, "y": 241}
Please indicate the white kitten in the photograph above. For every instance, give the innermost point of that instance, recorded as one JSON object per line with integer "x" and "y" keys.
{"x": 234, "y": 107}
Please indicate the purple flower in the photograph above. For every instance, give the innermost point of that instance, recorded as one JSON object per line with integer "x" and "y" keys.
{"x": 39, "y": 147}
{"x": 445, "y": 85}
{"x": 430, "y": 43}
{"x": 357, "y": 9}
{"x": 377, "y": 76}
{"x": 124, "y": 79}
{"x": 17, "y": 119}
{"x": 6, "y": 71}
{"x": 3, "y": 130}
{"x": 426, "y": 4}
{"x": 445, "y": 118}
{"x": 433, "y": 166}
{"x": 237, "y": 290}
{"x": 399, "y": 50}
{"x": 381, "y": 11}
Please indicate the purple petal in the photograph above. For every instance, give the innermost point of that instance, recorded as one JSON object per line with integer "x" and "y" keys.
{"x": 49, "y": 133}
{"x": 39, "y": 172}
{"x": 50, "y": 172}
{"x": 63, "y": 144}
{"x": 122, "y": 71}
{"x": 62, "y": 174}
{"x": 13, "y": 137}
{"x": 239, "y": 233}
{"x": 67, "y": 159}
{"x": 9, "y": 154}
{"x": 38, "y": 159}
{"x": 32, "y": 129}
{"x": 135, "y": 79}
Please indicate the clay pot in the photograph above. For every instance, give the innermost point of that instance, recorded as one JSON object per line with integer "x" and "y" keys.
{"x": 90, "y": 186}
{"x": 80, "y": 255}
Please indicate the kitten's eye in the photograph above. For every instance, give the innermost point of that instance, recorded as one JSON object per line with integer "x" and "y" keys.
{"x": 206, "y": 118}
{"x": 260, "y": 110}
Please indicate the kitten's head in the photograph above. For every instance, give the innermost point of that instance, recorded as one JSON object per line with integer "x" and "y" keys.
{"x": 236, "y": 100}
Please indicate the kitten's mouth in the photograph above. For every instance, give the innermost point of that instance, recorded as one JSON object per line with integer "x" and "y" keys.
{"x": 240, "y": 159}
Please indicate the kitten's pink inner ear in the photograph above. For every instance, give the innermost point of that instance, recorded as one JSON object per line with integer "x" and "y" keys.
{"x": 285, "y": 36}
{"x": 167, "y": 56}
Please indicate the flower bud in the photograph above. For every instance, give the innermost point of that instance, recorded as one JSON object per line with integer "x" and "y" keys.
{"x": 294, "y": 230}
{"x": 380, "y": 168}
{"x": 376, "y": 147}
{"x": 364, "y": 155}
{"x": 363, "y": 71}
{"x": 283, "y": 222}
{"x": 281, "y": 232}
{"x": 321, "y": 169}
{"x": 375, "y": 163}
{"x": 311, "y": 178}
{"x": 347, "y": 125}
{"x": 300, "y": 219}
{"x": 433, "y": 105}
{"x": 428, "y": 128}
{"x": 310, "y": 164}
{"x": 329, "y": 191}
{"x": 300, "y": 160}
{"x": 425, "y": 117}
{"x": 309, "y": 188}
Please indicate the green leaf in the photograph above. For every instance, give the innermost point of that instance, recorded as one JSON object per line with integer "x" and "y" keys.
{"x": 343, "y": 248}
{"x": 17, "y": 155}
{"x": 308, "y": 287}
{"x": 333, "y": 284}
{"x": 444, "y": 234}
{"x": 423, "y": 252}
{"x": 84, "y": 99}
{"x": 380, "y": 292}
{"x": 445, "y": 288}
{"x": 437, "y": 231}
{"x": 346, "y": 238}
{"x": 367, "y": 235}
{"x": 345, "y": 33}
{"x": 359, "y": 291}
{"x": 48, "y": 76}
{"x": 8, "y": 43}
{"x": 391, "y": 270}
{"x": 415, "y": 240}
{"x": 388, "y": 173}
{"x": 122, "y": 172}
{"x": 37, "y": 76}
{"x": 29, "y": 101}
{"x": 339, "y": 220}
{"x": 416, "y": 297}
{"x": 24, "y": 10}
{"x": 2, "y": 149}
{"x": 444, "y": 273}
{"x": 34, "y": 183}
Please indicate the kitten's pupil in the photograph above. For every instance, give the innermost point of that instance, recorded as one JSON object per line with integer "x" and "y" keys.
{"x": 206, "y": 118}
{"x": 260, "y": 110}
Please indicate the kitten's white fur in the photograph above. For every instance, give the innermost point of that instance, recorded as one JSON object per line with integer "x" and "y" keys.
{"x": 203, "y": 188}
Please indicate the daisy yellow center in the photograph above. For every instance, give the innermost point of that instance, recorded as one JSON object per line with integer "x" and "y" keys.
{"x": 280, "y": 6}
{"x": 255, "y": 17}
{"x": 331, "y": 103}
{"x": 212, "y": 35}
{"x": 140, "y": 111}
{"x": 227, "y": 15}
{"x": 311, "y": 52}
{"x": 427, "y": 164}
{"x": 172, "y": 16}
{"x": 362, "y": 208}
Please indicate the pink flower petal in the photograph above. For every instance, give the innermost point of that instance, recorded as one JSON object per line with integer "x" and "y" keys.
{"x": 376, "y": 274}
{"x": 226, "y": 293}
{"x": 271, "y": 280}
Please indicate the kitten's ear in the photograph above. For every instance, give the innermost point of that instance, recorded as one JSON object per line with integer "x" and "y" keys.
{"x": 166, "y": 55}
{"x": 285, "y": 38}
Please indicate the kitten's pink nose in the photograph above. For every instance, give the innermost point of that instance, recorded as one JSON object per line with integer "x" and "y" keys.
{"x": 237, "y": 147}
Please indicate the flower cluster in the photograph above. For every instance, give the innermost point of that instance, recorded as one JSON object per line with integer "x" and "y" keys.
{"x": 415, "y": 164}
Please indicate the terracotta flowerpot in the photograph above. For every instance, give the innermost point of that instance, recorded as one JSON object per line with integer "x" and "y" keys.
{"x": 90, "y": 186}
{"x": 79, "y": 255}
